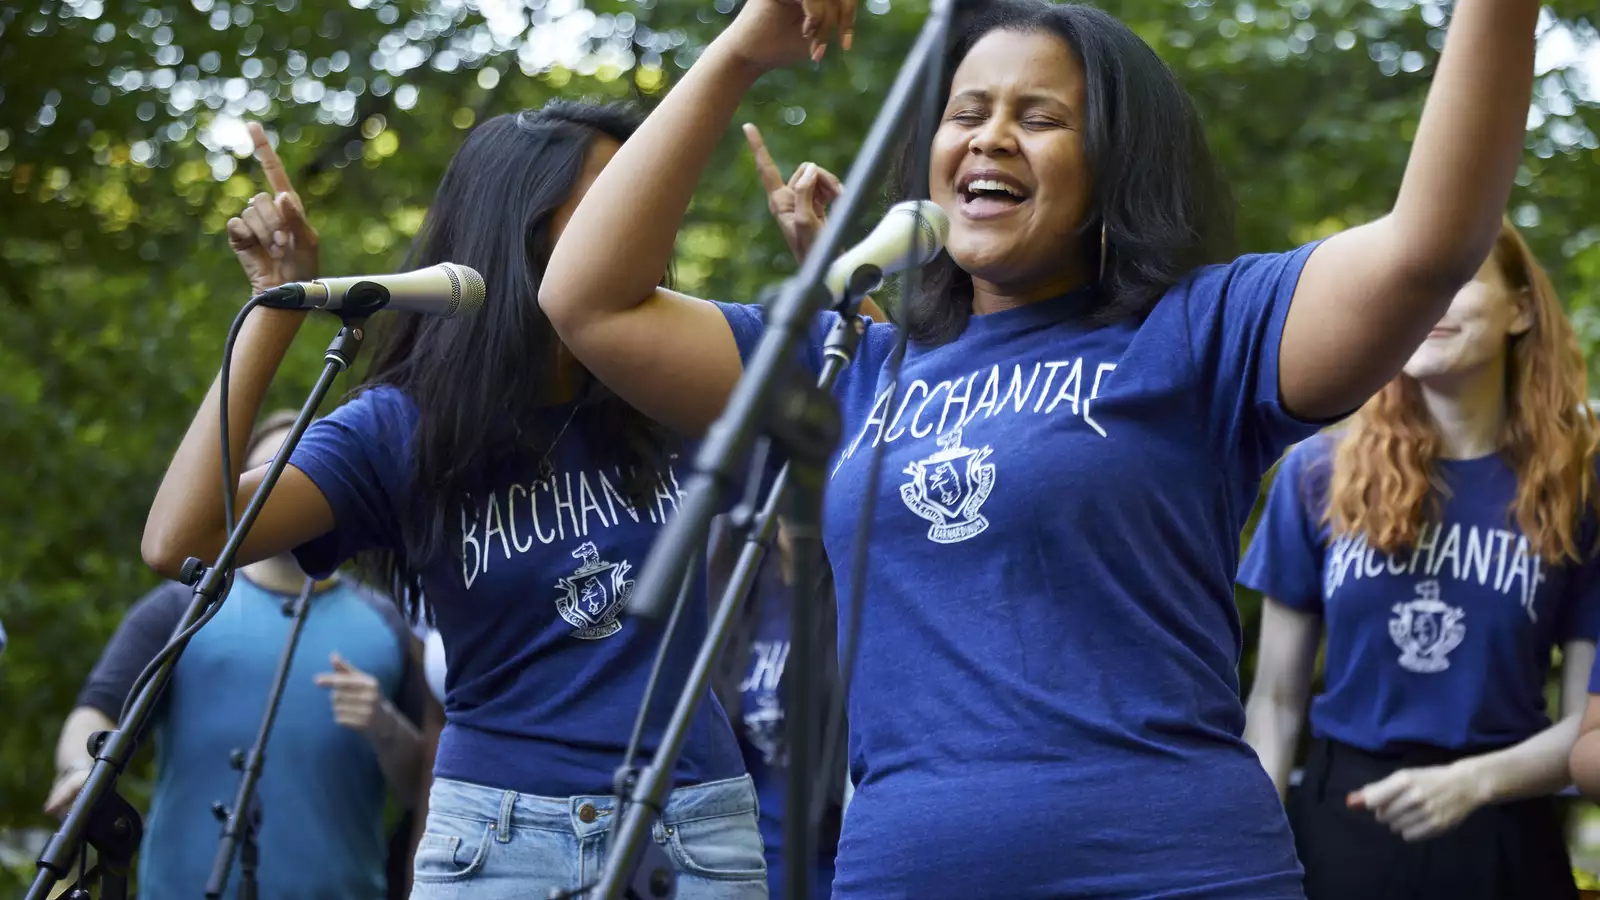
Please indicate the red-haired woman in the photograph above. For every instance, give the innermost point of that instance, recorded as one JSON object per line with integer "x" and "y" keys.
{"x": 1444, "y": 541}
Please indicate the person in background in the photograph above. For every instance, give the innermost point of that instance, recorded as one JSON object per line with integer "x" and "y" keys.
{"x": 481, "y": 467}
{"x": 1046, "y": 701}
{"x": 750, "y": 679}
{"x": 345, "y": 738}
{"x": 1444, "y": 542}
{"x": 751, "y": 682}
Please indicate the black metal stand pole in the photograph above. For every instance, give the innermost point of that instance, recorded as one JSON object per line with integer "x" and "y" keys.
{"x": 99, "y": 815}
{"x": 765, "y": 396}
{"x": 245, "y": 813}
{"x": 800, "y": 675}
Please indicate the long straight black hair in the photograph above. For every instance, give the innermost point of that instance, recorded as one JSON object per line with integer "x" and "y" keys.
{"x": 484, "y": 385}
{"x": 1165, "y": 208}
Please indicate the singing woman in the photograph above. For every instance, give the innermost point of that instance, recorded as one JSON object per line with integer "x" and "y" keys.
{"x": 1045, "y": 702}
{"x": 520, "y": 496}
{"x": 1444, "y": 542}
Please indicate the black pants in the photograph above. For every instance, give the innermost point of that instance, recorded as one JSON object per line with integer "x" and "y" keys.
{"x": 1511, "y": 851}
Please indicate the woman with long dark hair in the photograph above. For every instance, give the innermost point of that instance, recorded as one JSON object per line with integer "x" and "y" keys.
{"x": 1045, "y": 702}
{"x": 1444, "y": 541}
{"x": 491, "y": 472}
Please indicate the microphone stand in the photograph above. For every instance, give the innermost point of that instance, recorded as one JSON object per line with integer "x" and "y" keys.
{"x": 804, "y": 421}
{"x": 99, "y": 816}
{"x": 249, "y": 765}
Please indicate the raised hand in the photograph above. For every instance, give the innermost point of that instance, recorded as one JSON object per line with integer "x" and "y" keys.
{"x": 358, "y": 701}
{"x": 800, "y": 204}
{"x": 769, "y": 34}
{"x": 271, "y": 237}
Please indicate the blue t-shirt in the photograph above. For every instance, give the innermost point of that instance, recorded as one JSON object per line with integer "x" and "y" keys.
{"x": 544, "y": 675}
{"x": 761, "y": 728}
{"x": 1446, "y": 644}
{"x": 321, "y": 791}
{"x": 1046, "y": 701}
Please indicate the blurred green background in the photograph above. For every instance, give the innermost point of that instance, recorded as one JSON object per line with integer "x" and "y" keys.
{"x": 123, "y": 150}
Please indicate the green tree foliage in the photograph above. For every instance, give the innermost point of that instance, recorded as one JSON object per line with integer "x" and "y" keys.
{"x": 122, "y": 153}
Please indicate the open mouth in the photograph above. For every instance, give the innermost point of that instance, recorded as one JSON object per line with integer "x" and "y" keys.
{"x": 1440, "y": 331}
{"x": 985, "y": 194}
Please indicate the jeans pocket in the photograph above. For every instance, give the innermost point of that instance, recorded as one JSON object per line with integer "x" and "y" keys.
{"x": 721, "y": 848}
{"x": 452, "y": 849}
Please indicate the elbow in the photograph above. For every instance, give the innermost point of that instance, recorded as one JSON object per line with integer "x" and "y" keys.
{"x": 556, "y": 299}
{"x": 1583, "y": 765}
{"x": 162, "y": 550}
{"x": 1438, "y": 263}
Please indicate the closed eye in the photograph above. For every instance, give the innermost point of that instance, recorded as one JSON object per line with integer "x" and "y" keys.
{"x": 1042, "y": 123}
{"x": 967, "y": 118}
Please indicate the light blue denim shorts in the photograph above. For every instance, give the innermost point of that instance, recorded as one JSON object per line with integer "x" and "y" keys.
{"x": 483, "y": 843}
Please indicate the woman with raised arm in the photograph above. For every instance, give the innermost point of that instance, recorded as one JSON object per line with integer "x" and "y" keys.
{"x": 1445, "y": 541}
{"x": 1045, "y": 702}
{"x": 492, "y": 473}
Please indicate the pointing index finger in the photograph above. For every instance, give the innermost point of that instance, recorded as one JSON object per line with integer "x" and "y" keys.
{"x": 271, "y": 165}
{"x": 771, "y": 178}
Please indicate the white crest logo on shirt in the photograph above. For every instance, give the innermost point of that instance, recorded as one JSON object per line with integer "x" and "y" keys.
{"x": 949, "y": 487}
{"x": 1426, "y": 630}
{"x": 595, "y": 594}
{"x": 763, "y": 727}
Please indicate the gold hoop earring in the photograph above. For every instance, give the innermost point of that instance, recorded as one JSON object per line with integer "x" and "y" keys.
{"x": 1102, "y": 252}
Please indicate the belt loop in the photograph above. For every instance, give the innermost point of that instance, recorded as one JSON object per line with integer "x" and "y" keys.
{"x": 502, "y": 826}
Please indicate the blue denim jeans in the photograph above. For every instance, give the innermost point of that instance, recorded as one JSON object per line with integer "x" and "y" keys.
{"x": 483, "y": 843}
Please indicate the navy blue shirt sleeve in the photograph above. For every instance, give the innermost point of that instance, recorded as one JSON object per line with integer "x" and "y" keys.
{"x": 356, "y": 458}
{"x": 749, "y": 324}
{"x": 1235, "y": 317}
{"x": 1284, "y": 559}
{"x": 1580, "y": 611}
{"x": 146, "y": 628}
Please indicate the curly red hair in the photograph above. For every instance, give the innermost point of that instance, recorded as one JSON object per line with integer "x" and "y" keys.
{"x": 1382, "y": 482}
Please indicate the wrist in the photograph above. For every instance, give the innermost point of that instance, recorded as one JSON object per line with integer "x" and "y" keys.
{"x": 729, "y": 62}
{"x": 384, "y": 725}
{"x": 1482, "y": 783}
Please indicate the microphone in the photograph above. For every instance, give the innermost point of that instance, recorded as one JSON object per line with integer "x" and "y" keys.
{"x": 443, "y": 290}
{"x": 911, "y": 234}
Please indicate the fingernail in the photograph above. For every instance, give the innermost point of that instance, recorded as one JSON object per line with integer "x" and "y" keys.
{"x": 846, "y": 39}
{"x": 816, "y": 55}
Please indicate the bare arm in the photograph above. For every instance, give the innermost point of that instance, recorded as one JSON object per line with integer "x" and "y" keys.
{"x": 275, "y": 245}
{"x": 1421, "y": 803}
{"x": 359, "y": 704}
{"x": 1276, "y": 710}
{"x": 1538, "y": 765}
{"x": 1584, "y": 763}
{"x": 1368, "y": 296}
{"x": 671, "y": 356}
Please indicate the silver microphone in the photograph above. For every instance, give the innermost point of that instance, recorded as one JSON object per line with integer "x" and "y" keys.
{"x": 911, "y": 234}
{"x": 443, "y": 290}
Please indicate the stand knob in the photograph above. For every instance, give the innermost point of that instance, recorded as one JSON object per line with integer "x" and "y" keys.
{"x": 236, "y": 759}
{"x": 220, "y": 811}
{"x": 191, "y": 571}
